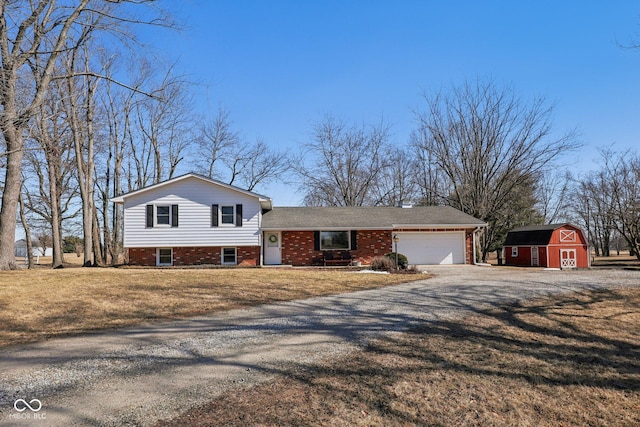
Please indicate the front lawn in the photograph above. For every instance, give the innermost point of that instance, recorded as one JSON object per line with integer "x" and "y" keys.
{"x": 44, "y": 303}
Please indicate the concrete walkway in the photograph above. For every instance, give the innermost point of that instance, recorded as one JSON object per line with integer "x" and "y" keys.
{"x": 137, "y": 376}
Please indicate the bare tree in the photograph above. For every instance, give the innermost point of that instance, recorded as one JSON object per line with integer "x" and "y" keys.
{"x": 431, "y": 182}
{"x": 80, "y": 105}
{"x": 397, "y": 182}
{"x": 50, "y": 162}
{"x": 490, "y": 145}
{"x": 163, "y": 128}
{"x": 118, "y": 107}
{"x": 554, "y": 190}
{"x": 341, "y": 164}
{"x": 249, "y": 165}
{"x": 226, "y": 156}
{"x": 622, "y": 171}
{"x": 215, "y": 138}
{"x": 593, "y": 205}
{"x": 33, "y": 36}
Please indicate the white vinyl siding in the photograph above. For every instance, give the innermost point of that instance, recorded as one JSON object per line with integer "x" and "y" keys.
{"x": 194, "y": 198}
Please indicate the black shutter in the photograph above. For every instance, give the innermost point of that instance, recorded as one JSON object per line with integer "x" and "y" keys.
{"x": 354, "y": 246}
{"x": 174, "y": 215}
{"x": 238, "y": 215}
{"x": 214, "y": 215}
{"x": 150, "y": 216}
{"x": 316, "y": 240}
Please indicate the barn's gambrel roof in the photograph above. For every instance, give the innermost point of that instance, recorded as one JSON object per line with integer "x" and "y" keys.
{"x": 533, "y": 235}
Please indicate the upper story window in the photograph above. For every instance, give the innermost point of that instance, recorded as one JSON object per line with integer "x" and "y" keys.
{"x": 161, "y": 215}
{"x": 226, "y": 215}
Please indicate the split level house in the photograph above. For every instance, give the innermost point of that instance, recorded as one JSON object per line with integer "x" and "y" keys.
{"x": 191, "y": 220}
{"x": 552, "y": 246}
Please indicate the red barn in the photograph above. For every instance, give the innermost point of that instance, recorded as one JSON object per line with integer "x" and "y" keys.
{"x": 551, "y": 246}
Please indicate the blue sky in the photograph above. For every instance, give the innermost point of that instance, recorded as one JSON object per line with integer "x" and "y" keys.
{"x": 279, "y": 66}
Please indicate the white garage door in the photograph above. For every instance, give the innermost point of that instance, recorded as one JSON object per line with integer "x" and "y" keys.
{"x": 432, "y": 248}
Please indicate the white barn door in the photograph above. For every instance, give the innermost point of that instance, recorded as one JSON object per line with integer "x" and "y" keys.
{"x": 568, "y": 258}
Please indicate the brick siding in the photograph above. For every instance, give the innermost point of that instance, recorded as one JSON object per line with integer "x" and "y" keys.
{"x": 298, "y": 247}
{"x": 246, "y": 256}
{"x": 469, "y": 247}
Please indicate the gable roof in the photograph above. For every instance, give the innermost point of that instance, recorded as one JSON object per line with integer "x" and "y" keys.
{"x": 534, "y": 235}
{"x": 315, "y": 218}
{"x": 264, "y": 200}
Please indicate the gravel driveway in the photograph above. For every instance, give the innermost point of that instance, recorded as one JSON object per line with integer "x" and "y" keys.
{"x": 136, "y": 376}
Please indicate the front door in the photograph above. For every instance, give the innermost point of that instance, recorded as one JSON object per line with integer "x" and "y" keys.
{"x": 272, "y": 248}
{"x": 535, "y": 257}
{"x": 568, "y": 258}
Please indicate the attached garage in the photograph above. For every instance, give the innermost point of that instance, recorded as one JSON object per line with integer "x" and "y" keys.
{"x": 432, "y": 247}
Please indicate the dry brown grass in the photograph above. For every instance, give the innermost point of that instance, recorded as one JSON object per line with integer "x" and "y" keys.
{"x": 624, "y": 259}
{"x": 42, "y": 303}
{"x": 569, "y": 361}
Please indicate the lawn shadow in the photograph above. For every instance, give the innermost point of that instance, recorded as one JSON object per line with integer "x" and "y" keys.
{"x": 545, "y": 361}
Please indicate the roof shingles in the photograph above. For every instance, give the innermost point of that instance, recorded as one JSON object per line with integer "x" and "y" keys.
{"x": 308, "y": 218}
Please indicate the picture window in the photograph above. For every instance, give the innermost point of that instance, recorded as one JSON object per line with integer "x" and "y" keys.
{"x": 334, "y": 240}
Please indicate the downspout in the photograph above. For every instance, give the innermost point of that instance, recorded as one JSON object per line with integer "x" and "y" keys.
{"x": 261, "y": 246}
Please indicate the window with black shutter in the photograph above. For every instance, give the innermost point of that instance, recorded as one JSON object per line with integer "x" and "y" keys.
{"x": 238, "y": 215}
{"x": 174, "y": 215}
{"x": 214, "y": 216}
{"x": 149, "y": 222}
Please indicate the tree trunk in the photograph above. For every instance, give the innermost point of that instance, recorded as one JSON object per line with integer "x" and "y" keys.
{"x": 27, "y": 233}
{"x": 11, "y": 194}
{"x": 56, "y": 217}
{"x": 98, "y": 252}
